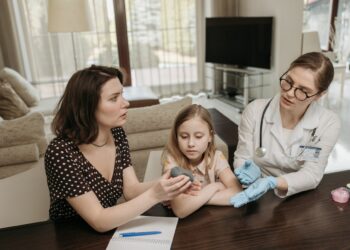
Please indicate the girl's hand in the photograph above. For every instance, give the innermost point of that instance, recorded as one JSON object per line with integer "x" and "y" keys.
{"x": 167, "y": 188}
{"x": 194, "y": 189}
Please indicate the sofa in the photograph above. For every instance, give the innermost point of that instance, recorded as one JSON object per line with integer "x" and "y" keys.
{"x": 24, "y": 123}
{"x": 24, "y": 134}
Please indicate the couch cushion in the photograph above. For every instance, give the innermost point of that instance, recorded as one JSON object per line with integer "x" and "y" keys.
{"x": 154, "y": 117}
{"x": 22, "y": 87}
{"x": 19, "y": 154}
{"x": 24, "y": 130}
{"x": 25, "y": 196}
{"x": 149, "y": 139}
{"x": 139, "y": 160}
{"x": 11, "y": 105}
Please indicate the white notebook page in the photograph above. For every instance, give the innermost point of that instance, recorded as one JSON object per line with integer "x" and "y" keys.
{"x": 167, "y": 226}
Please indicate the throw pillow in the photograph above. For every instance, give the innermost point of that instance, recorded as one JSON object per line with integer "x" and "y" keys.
{"x": 11, "y": 105}
{"x": 22, "y": 87}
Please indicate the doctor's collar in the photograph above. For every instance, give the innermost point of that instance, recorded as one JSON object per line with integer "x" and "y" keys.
{"x": 273, "y": 112}
{"x": 310, "y": 119}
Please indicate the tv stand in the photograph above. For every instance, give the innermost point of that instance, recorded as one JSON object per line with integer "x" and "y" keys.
{"x": 233, "y": 85}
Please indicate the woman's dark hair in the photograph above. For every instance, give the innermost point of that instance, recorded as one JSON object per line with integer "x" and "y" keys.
{"x": 319, "y": 64}
{"x": 75, "y": 112}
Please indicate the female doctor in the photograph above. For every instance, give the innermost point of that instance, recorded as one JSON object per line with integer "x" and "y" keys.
{"x": 284, "y": 142}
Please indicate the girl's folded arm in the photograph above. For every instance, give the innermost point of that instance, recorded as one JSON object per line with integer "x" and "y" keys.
{"x": 184, "y": 204}
{"x": 231, "y": 186}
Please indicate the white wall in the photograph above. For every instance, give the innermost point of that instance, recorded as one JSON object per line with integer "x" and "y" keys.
{"x": 288, "y": 22}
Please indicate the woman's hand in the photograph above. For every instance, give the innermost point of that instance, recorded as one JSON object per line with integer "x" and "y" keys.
{"x": 168, "y": 188}
{"x": 166, "y": 204}
{"x": 194, "y": 189}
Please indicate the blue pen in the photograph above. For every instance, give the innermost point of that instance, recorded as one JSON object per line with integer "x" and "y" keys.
{"x": 132, "y": 234}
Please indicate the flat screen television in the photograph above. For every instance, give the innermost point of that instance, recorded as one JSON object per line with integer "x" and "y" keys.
{"x": 240, "y": 41}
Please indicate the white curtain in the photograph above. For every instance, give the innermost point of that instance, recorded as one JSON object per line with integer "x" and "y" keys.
{"x": 9, "y": 46}
{"x": 166, "y": 44}
{"x": 49, "y": 56}
{"x": 343, "y": 31}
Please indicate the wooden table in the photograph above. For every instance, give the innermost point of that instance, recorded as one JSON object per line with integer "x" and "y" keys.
{"x": 310, "y": 220}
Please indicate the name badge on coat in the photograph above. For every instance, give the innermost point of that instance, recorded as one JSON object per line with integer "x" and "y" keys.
{"x": 309, "y": 153}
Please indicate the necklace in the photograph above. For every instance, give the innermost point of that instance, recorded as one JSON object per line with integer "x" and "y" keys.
{"x": 99, "y": 146}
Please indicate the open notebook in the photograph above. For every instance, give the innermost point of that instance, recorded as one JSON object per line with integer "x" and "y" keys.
{"x": 167, "y": 226}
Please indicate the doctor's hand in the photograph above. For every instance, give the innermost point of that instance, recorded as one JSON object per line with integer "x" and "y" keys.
{"x": 248, "y": 172}
{"x": 254, "y": 191}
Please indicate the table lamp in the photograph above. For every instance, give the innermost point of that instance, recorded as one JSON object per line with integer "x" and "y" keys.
{"x": 310, "y": 42}
{"x": 69, "y": 16}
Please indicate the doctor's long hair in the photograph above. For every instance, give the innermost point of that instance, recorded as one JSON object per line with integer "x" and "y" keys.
{"x": 172, "y": 147}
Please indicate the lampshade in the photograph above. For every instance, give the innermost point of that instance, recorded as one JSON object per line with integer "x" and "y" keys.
{"x": 311, "y": 42}
{"x": 68, "y": 16}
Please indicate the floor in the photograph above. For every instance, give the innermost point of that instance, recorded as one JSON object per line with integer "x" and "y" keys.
{"x": 338, "y": 159}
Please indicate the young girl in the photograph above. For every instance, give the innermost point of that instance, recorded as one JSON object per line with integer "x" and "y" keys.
{"x": 191, "y": 146}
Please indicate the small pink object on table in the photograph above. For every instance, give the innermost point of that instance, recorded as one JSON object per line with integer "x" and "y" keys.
{"x": 340, "y": 195}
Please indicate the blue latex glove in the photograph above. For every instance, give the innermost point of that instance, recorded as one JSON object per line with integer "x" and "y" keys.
{"x": 254, "y": 191}
{"x": 248, "y": 172}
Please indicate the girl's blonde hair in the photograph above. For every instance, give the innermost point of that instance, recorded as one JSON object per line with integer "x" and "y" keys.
{"x": 172, "y": 146}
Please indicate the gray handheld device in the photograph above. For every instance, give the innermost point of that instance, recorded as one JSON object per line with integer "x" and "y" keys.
{"x": 176, "y": 171}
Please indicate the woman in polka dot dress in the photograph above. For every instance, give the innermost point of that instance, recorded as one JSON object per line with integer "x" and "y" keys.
{"x": 88, "y": 164}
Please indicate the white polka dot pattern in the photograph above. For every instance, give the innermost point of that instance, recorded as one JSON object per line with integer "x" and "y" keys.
{"x": 70, "y": 174}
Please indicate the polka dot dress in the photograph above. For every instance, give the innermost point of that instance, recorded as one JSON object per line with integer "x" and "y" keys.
{"x": 70, "y": 174}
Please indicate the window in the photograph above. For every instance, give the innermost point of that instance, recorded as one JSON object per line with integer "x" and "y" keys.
{"x": 317, "y": 17}
{"x": 334, "y": 14}
{"x": 162, "y": 44}
{"x": 53, "y": 57}
{"x": 162, "y": 41}
{"x": 343, "y": 31}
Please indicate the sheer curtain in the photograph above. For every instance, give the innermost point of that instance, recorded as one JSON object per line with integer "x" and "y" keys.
{"x": 163, "y": 42}
{"x": 343, "y": 31}
{"x": 9, "y": 47}
{"x": 50, "y": 56}
{"x": 166, "y": 44}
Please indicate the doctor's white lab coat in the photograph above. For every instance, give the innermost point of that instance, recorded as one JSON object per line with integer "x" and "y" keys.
{"x": 285, "y": 158}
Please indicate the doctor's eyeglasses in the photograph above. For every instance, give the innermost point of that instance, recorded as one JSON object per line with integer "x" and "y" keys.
{"x": 300, "y": 94}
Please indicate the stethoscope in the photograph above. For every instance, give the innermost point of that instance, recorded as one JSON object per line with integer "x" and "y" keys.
{"x": 261, "y": 151}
